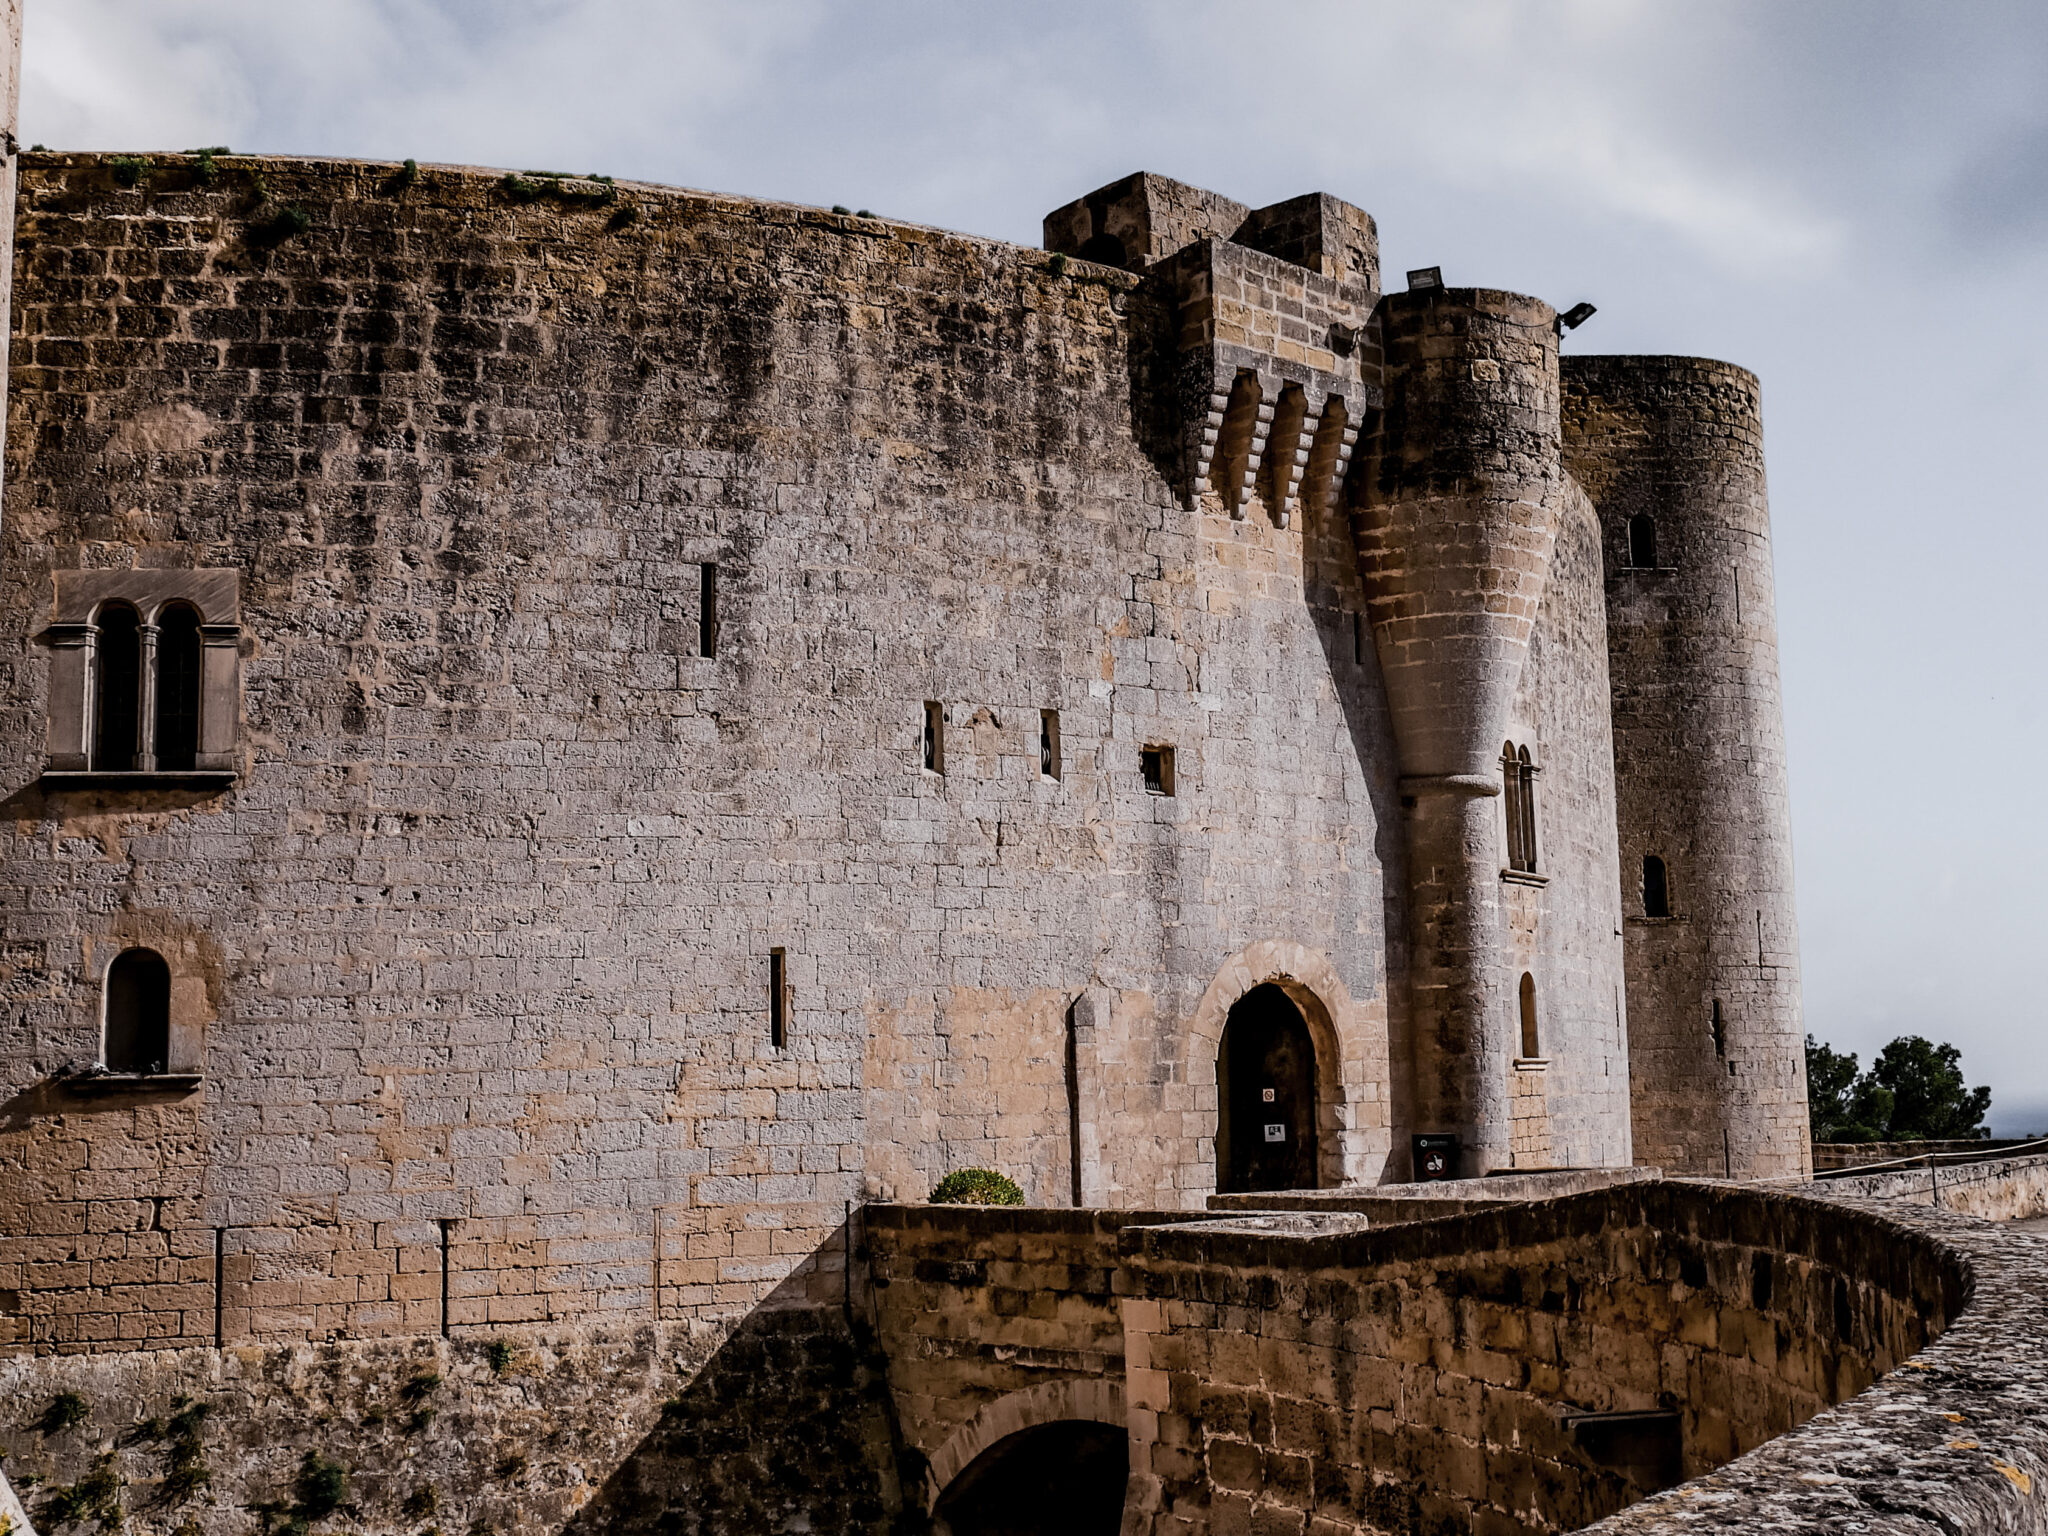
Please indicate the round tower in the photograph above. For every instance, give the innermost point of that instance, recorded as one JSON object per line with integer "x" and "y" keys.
{"x": 1670, "y": 449}
{"x": 1455, "y": 528}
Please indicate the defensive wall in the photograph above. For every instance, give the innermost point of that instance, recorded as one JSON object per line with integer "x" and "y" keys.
{"x": 716, "y": 712}
{"x": 1800, "y": 1357}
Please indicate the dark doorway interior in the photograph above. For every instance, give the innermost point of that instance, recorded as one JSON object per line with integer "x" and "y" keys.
{"x": 1266, "y": 1092}
{"x": 1060, "y": 1479}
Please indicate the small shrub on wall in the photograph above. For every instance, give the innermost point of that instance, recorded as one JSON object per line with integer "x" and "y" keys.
{"x": 976, "y": 1186}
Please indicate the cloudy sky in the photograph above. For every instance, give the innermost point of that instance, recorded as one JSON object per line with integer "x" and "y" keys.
{"x": 1849, "y": 196}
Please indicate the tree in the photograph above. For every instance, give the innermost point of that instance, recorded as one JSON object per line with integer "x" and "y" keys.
{"x": 1929, "y": 1100}
{"x": 1913, "y": 1092}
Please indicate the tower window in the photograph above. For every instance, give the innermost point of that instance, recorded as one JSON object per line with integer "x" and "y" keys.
{"x": 1531, "y": 1043}
{"x": 707, "y": 609}
{"x": 1358, "y": 639}
{"x": 1656, "y": 887}
{"x": 1157, "y": 763}
{"x": 1049, "y": 743}
{"x": 1642, "y": 542}
{"x": 778, "y": 997}
{"x": 1518, "y": 792}
{"x": 117, "y": 690}
{"x": 1720, "y": 1032}
{"x": 180, "y": 657}
{"x": 138, "y": 1013}
{"x": 934, "y": 736}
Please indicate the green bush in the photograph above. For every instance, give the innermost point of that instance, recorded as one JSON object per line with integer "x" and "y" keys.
{"x": 321, "y": 1487}
{"x": 65, "y": 1410}
{"x": 976, "y": 1186}
{"x": 129, "y": 170}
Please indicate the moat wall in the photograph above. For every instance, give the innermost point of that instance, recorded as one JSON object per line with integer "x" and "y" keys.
{"x": 473, "y": 952}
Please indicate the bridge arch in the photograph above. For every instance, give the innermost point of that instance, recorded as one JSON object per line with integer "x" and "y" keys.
{"x": 1048, "y": 1402}
{"x": 1353, "y": 1072}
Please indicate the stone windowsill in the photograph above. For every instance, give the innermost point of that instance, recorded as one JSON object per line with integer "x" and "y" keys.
{"x": 1524, "y": 877}
{"x": 1653, "y": 922}
{"x": 101, "y": 1081}
{"x": 184, "y": 778}
{"x": 1532, "y": 1063}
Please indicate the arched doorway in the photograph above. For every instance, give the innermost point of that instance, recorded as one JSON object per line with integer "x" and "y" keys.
{"x": 1065, "y": 1478}
{"x": 1265, "y": 1096}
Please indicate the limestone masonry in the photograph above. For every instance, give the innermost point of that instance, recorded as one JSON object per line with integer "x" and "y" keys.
{"x": 569, "y": 748}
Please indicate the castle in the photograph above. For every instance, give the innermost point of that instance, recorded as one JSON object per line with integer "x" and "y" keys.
{"x": 564, "y": 739}
{"x": 540, "y": 712}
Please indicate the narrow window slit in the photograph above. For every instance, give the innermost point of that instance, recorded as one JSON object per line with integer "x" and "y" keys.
{"x": 1642, "y": 542}
{"x": 778, "y": 997}
{"x": 1049, "y": 743}
{"x": 707, "y": 609}
{"x": 934, "y": 737}
{"x": 1531, "y": 1042}
{"x": 1656, "y": 887}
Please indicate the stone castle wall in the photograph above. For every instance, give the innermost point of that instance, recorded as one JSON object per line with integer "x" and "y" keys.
{"x": 474, "y": 952}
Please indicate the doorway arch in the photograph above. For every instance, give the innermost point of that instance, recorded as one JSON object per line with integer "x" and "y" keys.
{"x": 1266, "y": 1110}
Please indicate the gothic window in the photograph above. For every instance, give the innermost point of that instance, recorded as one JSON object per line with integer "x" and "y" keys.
{"x": 179, "y": 672}
{"x": 1642, "y": 541}
{"x": 1531, "y": 1043}
{"x": 1518, "y": 792}
{"x": 138, "y": 1013}
{"x": 145, "y": 674}
{"x": 1656, "y": 887}
{"x": 117, "y": 690}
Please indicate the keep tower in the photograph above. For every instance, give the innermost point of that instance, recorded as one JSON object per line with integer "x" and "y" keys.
{"x": 1670, "y": 449}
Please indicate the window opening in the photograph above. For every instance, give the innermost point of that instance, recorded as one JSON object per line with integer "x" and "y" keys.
{"x": 1049, "y": 743}
{"x": 1158, "y": 765}
{"x": 934, "y": 737}
{"x": 707, "y": 609}
{"x": 117, "y": 694}
{"x": 1656, "y": 887}
{"x": 179, "y": 660}
{"x": 778, "y": 997}
{"x": 1518, "y": 790}
{"x": 1531, "y": 1044}
{"x": 1720, "y": 1032}
{"x": 1642, "y": 541}
{"x": 138, "y": 1017}
{"x": 1358, "y": 639}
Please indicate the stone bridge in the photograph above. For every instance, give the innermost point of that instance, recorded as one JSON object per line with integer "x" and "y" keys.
{"x": 1512, "y": 1365}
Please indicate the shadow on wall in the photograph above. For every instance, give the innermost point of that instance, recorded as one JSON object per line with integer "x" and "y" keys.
{"x": 786, "y": 1428}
